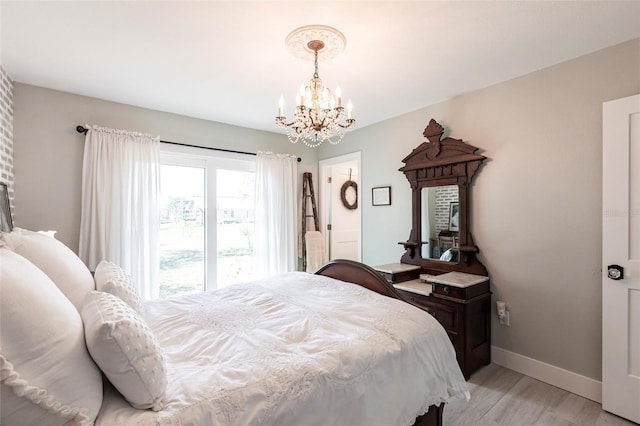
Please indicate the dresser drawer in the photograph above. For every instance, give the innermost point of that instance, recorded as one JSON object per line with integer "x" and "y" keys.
{"x": 462, "y": 293}
{"x": 399, "y": 277}
{"x": 446, "y": 315}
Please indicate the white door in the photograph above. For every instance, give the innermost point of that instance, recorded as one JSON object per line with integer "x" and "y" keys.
{"x": 621, "y": 247}
{"x": 345, "y": 223}
{"x": 341, "y": 226}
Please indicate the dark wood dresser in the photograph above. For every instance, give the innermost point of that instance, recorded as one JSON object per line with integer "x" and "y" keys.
{"x": 461, "y": 302}
{"x": 439, "y": 271}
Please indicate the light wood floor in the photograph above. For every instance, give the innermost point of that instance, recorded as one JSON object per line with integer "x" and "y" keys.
{"x": 500, "y": 396}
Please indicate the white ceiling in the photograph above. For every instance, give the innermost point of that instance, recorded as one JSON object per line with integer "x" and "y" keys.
{"x": 226, "y": 60}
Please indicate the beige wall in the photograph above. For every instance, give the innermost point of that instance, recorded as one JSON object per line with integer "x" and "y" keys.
{"x": 536, "y": 202}
{"x": 48, "y": 151}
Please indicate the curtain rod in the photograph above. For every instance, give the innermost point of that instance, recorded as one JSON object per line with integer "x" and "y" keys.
{"x": 82, "y": 129}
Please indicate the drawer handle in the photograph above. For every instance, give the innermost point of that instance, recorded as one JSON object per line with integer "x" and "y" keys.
{"x": 431, "y": 312}
{"x": 445, "y": 289}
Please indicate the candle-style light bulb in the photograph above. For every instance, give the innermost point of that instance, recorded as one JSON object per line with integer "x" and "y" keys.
{"x": 349, "y": 109}
{"x": 339, "y": 96}
{"x": 280, "y": 106}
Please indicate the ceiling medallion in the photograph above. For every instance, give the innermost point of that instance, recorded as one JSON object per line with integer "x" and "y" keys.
{"x": 319, "y": 113}
{"x": 297, "y": 42}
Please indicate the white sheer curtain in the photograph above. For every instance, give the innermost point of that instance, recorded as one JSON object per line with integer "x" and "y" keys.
{"x": 119, "y": 219}
{"x": 276, "y": 222}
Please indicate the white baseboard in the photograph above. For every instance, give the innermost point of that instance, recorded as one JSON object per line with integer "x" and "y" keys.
{"x": 555, "y": 376}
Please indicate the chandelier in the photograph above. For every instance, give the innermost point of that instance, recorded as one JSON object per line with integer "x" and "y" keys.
{"x": 319, "y": 113}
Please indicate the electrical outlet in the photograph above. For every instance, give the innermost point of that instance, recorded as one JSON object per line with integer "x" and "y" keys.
{"x": 505, "y": 320}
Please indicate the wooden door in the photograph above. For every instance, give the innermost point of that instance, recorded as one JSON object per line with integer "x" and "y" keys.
{"x": 621, "y": 248}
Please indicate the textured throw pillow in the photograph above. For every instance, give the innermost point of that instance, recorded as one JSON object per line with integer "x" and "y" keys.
{"x": 125, "y": 349}
{"x": 55, "y": 259}
{"x": 47, "y": 375}
{"x": 110, "y": 278}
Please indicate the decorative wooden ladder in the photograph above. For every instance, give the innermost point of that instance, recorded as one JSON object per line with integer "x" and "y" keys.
{"x": 307, "y": 192}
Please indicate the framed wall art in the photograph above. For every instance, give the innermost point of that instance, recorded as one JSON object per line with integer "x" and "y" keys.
{"x": 381, "y": 196}
{"x": 6, "y": 222}
{"x": 454, "y": 222}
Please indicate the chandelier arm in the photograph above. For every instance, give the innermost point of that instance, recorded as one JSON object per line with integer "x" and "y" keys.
{"x": 348, "y": 125}
{"x": 282, "y": 121}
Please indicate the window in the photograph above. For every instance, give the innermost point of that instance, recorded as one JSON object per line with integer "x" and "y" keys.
{"x": 206, "y": 221}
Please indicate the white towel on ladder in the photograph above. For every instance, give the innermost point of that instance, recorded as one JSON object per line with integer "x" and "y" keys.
{"x": 315, "y": 250}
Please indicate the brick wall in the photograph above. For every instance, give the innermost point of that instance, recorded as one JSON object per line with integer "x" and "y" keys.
{"x": 445, "y": 195}
{"x": 6, "y": 131}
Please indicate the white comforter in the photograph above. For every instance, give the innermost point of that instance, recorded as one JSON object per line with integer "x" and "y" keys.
{"x": 295, "y": 349}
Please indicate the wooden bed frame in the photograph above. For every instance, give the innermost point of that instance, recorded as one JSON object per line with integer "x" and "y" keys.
{"x": 366, "y": 276}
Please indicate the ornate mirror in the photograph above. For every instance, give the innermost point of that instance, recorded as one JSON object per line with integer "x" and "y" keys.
{"x": 439, "y": 172}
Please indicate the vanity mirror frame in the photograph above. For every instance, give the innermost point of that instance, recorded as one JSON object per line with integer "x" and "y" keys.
{"x": 439, "y": 162}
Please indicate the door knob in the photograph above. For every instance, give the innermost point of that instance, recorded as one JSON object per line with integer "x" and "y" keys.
{"x": 615, "y": 272}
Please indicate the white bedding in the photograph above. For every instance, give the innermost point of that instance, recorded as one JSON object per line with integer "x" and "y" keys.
{"x": 295, "y": 349}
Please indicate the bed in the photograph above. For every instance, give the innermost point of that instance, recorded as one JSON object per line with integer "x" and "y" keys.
{"x": 293, "y": 349}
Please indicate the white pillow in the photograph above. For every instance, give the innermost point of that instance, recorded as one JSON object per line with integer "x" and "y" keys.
{"x": 55, "y": 259}
{"x": 125, "y": 349}
{"x": 47, "y": 375}
{"x": 111, "y": 278}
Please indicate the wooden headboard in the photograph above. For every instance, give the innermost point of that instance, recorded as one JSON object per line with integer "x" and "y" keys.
{"x": 358, "y": 273}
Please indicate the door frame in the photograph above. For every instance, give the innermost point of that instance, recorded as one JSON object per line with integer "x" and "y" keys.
{"x": 325, "y": 200}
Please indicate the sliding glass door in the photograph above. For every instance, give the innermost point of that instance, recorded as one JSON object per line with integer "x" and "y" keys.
{"x": 206, "y": 222}
{"x": 235, "y": 217}
{"x": 182, "y": 226}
